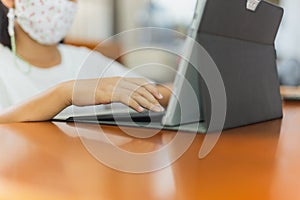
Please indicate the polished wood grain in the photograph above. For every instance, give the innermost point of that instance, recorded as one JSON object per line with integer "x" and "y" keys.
{"x": 49, "y": 161}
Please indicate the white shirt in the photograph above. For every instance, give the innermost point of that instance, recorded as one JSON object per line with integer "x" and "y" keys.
{"x": 77, "y": 62}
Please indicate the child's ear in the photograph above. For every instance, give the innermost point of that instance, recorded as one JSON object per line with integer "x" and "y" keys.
{"x": 9, "y": 3}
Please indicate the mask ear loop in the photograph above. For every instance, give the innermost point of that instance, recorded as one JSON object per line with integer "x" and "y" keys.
{"x": 11, "y": 31}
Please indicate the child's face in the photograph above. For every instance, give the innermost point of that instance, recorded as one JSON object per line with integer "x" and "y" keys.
{"x": 45, "y": 21}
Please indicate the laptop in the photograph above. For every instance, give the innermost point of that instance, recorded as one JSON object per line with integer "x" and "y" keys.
{"x": 238, "y": 35}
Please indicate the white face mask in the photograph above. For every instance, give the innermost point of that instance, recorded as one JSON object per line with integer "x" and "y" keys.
{"x": 46, "y": 21}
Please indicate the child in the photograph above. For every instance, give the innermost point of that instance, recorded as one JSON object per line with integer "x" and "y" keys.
{"x": 38, "y": 75}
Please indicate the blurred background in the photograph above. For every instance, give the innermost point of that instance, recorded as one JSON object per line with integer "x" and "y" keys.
{"x": 98, "y": 20}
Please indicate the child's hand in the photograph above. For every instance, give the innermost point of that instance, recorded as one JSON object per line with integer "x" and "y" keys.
{"x": 134, "y": 92}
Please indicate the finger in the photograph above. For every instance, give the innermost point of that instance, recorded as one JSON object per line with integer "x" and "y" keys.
{"x": 140, "y": 89}
{"x": 147, "y": 104}
{"x": 129, "y": 92}
{"x": 153, "y": 90}
{"x": 145, "y": 99}
{"x": 147, "y": 95}
{"x": 127, "y": 100}
{"x": 150, "y": 87}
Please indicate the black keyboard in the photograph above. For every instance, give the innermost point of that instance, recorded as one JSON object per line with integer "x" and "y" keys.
{"x": 147, "y": 116}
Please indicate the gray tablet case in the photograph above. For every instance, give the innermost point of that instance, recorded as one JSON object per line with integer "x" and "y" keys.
{"x": 241, "y": 43}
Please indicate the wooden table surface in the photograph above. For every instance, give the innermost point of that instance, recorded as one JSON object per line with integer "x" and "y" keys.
{"x": 49, "y": 161}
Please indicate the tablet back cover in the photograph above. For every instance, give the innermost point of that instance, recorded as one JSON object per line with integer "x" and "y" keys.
{"x": 241, "y": 43}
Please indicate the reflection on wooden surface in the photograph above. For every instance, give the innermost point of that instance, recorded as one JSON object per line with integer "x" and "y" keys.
{"x": 48, "y": 161}
{"x": 290, "y": 91}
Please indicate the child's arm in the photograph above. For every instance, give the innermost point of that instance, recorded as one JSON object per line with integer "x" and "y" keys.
{"x": 39, "y": 108}
{"x": 136, "y": 93}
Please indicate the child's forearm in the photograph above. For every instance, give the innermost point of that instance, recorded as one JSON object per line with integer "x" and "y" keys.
{"x": 39, "y": 108}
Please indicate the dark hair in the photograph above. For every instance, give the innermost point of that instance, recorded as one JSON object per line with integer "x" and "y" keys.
{"x": 4, "y": 36}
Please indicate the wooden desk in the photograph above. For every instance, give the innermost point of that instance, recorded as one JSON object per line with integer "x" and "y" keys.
{"x": 48, "y": 161}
